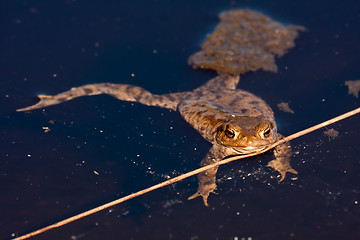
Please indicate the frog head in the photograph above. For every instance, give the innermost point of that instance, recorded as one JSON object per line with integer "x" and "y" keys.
{"x": 246, "y": 134}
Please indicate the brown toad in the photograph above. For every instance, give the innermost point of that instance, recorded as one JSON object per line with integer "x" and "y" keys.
{"x": 234, "y": 121}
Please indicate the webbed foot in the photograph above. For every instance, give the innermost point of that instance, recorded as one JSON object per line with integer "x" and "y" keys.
{"x": 45, "y": 100}
{"x": 204, "y": 191}
{"x": 282, "y": 167}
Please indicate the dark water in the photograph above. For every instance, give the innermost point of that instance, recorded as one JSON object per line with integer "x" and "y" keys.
{"x": 46, "y": 177}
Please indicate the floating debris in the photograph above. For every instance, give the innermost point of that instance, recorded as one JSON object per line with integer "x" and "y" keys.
{"x": 284, "y": 106}
{"x": 331, "y": 133}
{"x": 354, "y": 87}
{"x": 46, "y": 129}
{"x": 245, "y": 41}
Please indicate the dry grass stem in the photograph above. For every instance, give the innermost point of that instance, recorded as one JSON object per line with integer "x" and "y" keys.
{"x": 186, "y": 175}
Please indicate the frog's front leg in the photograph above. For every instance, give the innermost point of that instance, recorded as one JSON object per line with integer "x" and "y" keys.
{"x": 207, "y": 179}
{"x": 281, "y": 164}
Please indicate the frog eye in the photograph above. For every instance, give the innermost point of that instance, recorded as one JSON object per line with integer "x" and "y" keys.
{"x": 229, "y": 133}
{"x": 266, "y": 133}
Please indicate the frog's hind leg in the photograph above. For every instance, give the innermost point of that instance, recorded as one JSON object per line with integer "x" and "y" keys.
{"x": 123, "y": 92}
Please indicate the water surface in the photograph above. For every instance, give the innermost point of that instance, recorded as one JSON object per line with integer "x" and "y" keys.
{"x": 48, "y": 176}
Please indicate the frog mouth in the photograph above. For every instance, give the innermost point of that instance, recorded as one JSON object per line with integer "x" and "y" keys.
{"x": 249, "y": 149}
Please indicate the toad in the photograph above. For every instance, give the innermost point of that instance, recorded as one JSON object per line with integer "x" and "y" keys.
{"x": 234, "y": 121}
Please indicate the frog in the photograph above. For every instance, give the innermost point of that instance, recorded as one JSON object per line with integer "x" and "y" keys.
{"x": 234, "y": 121}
